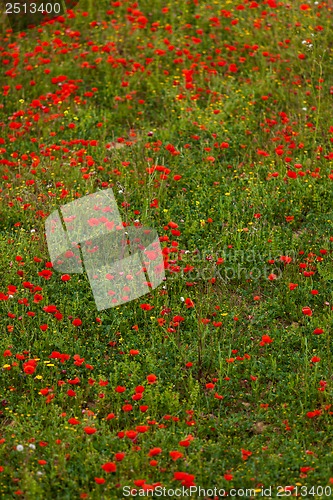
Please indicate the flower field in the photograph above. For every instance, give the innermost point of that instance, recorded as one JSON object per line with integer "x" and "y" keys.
{"x": 212, "y": 123}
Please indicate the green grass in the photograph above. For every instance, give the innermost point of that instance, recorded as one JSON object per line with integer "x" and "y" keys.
{"x": 227, "y": 136}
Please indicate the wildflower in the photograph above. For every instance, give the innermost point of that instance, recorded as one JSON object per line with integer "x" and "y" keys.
{"x": 99, "y": 480}
{"x": 185, "y": 443}
{"x": 142, "y": 428}
{"x": 312, "y": 414}
{"x": 109, "y": 467}
{"x": 90, "y": 430}
{"x": 73, "y": 421}
{"x": 134, "y": 352}
{"x": 151, "y": 378}
{"x": 154, "y": 451}
{"x": 265, "y": 339}
{"x": 146, "y": 307}
{"x": 307, "y": 311}
{"x": 120, "y": 389}
{"x": 29, "y": 367}
{"x": 175, "y": 455}
{"x": 246, "y": 454}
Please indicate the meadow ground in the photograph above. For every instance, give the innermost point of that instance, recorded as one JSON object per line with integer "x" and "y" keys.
{"x": 212, "y": 122}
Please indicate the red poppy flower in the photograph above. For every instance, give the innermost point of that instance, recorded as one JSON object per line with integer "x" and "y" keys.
{"x": 312, "y": 414}
{"x": 265, "y": 339}
{"x": 73, "y": 421}
{"x": 146, "y": 307}
{"x": 109, "y": 467}
{"x": 151, "y": 378}
{"x": 29, "y": 367}
{"x": 154, "y": 451}
{"x": 120, "y": 389}
{"x": 246, "y": 454}
{"x": 139, "y": 389}
{"x": 99, "y": 480}
{"x": 189, "y": 303}
{"x": 142, "y": 428}
{"x": 307, "y": 311}
{"x": 175, "y": 455}
{"x": 90, "y": 430}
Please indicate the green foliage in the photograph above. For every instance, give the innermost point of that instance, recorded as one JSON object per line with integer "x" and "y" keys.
{"x": 216, "y": 118}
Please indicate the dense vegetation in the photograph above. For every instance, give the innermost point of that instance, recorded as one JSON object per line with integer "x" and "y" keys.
{"x": 212, "y": 122}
